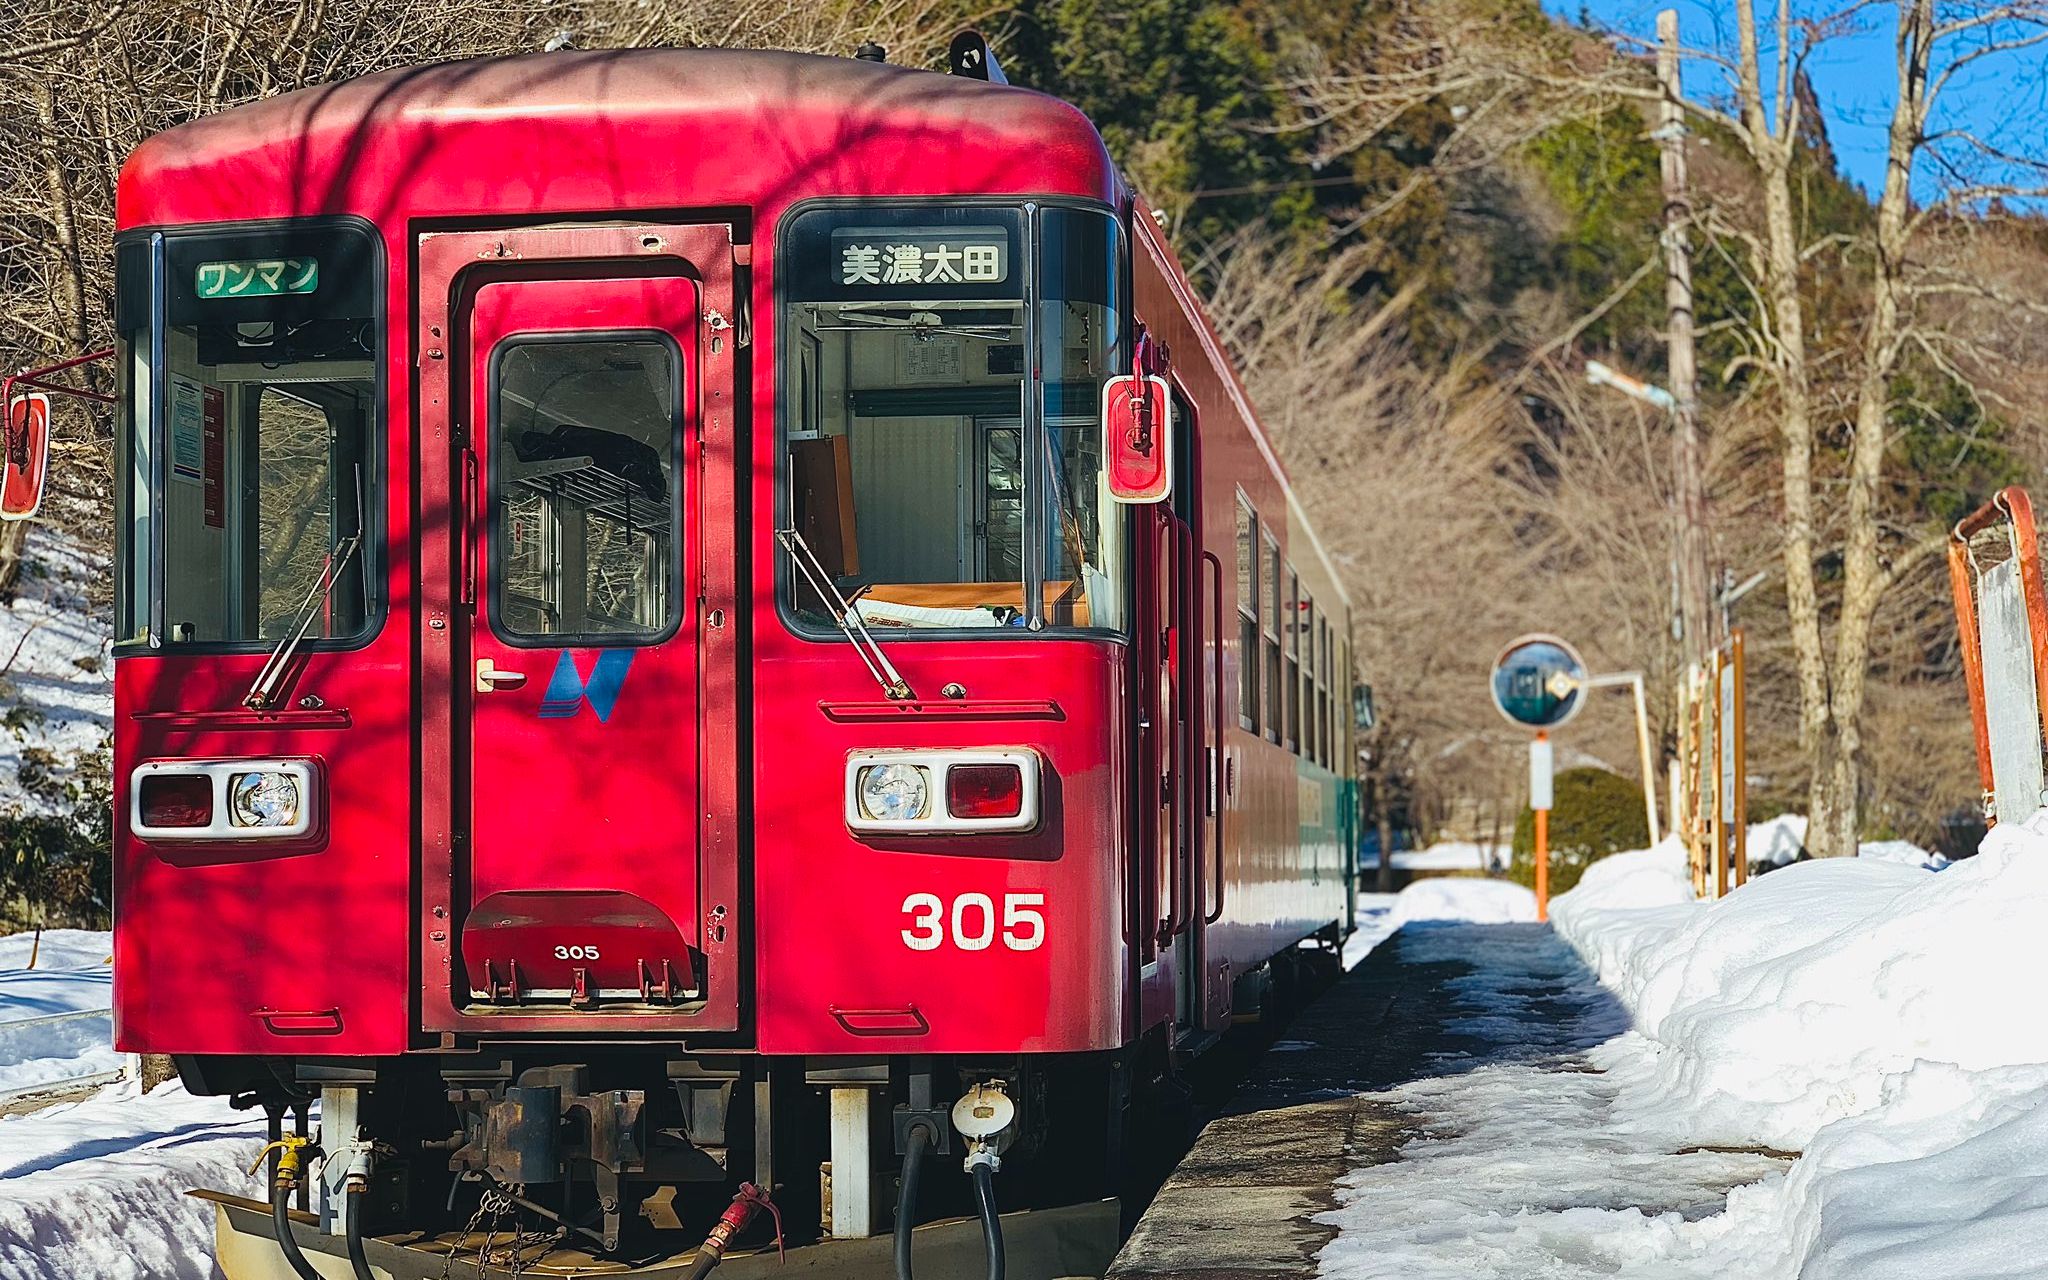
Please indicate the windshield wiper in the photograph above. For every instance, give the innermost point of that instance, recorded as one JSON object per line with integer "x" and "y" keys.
{"x": 894, "y": 686}
{"x": 263, "y": 691}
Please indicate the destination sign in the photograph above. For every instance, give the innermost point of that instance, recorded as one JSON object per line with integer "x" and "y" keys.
{"x": 899, "y": 257}
{"x": 256, "y": 278}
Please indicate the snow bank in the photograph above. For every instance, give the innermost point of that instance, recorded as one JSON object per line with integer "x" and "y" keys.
{"x": 98, "y": 1188}
{"x": 1480, "y": 901}
{"x": 1789, "y": 1004}
{"x": 1444, "y": 855}
{"x": 1861, "y": 1011}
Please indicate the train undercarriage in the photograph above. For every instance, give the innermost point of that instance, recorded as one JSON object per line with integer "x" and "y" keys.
{"x": 638, "y": 1163}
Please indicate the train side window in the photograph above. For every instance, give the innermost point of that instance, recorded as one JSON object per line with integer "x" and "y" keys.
{"x": 1291, "y": 616}
{"x": 1247, "y": 616}
{"x": 1270, "y": 583}
{"x": 1311, "y": 741}
{"x": 585, "y": 513}
{"x": 1326, "y": 693}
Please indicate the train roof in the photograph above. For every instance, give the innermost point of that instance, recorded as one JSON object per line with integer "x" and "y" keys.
{"x": 613, "y": 129}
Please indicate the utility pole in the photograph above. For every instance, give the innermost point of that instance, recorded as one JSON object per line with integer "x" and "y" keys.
{"x": 1690, "y": 498}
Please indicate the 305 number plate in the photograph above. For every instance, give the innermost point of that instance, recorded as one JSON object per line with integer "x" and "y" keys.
{"x": 971, "y": 922}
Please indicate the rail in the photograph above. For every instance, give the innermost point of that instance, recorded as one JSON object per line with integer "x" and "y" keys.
{"x": 64, "y": 1085}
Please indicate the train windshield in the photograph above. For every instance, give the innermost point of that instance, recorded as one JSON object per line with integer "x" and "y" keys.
{"x": 247, "y": 458}
{"x": 943, "y": 368}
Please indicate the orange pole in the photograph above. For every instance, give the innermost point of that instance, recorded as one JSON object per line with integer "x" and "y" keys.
{"x": 1971, "y": 647}
{"x": 2020, "y": 509}
{"x": 1542, "y": 856}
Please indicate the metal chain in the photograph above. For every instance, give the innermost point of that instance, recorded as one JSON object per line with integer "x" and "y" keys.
{"x": 482, "y": 1207}
{"x": 497, "y": 1205}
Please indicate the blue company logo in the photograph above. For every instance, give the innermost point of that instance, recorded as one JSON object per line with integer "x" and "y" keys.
{"x": 568, "y": 690}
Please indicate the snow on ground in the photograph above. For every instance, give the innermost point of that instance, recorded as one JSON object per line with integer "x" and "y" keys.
{"x": 1484, "y": 901}
{"x": 1371, "y": 924}
{"x": 1517, "y": 1169}
{"x": 1864, "y": 1013}
{"x": 97, "y": 1188}
{"x": 54, "y": 670}
{"x": 71, "y": 976}
{"x": 1444, "y": 855}
{"x": 1379, "y": 915}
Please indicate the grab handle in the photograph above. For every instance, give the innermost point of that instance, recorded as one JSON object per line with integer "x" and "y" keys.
{"x": 1215, "y": 752}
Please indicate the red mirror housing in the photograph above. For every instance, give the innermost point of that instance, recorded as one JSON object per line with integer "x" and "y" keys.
{"x": 1137, "y": 438}
{"x": 26, "y": 455}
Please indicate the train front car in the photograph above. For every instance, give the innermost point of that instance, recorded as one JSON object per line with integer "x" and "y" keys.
{"x": 631, "y": 678}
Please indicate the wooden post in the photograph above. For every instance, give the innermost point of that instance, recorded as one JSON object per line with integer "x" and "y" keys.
{"x": 1689, "y": 490}
{"x": 1741, "y": 764}
{"x": 1719, "y": 825}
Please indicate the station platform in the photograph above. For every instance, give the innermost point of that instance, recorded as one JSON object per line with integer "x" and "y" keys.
{"x": 1243, "y": 1204}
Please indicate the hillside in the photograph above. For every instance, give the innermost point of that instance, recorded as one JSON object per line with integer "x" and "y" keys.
{"x": 1415, "y": 221}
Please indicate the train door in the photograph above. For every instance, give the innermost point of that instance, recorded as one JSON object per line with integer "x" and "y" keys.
{"x": 1171, "y": 687}
{"x": 589, "y": 691}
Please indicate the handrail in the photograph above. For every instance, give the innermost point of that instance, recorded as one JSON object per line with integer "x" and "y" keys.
{"x": 1184, "y": 828}
{"x": 1215, "y": 779}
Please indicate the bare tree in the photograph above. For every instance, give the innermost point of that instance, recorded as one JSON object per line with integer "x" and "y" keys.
{"x": 1843, "y": 546}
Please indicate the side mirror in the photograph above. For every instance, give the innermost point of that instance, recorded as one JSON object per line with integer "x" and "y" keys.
{"x": 26, "y": 455}
{"x": 1363, "y": 714}
{"x": 1137, "y": 438}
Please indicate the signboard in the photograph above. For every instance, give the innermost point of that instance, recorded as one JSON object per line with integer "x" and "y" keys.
{"x": 1540, "y": 772}
{"x": 188, "y": 431}
{"x": 1726, "y": 751}
{"x": 255, "y": 278}
{"x": 2011, "y": 710}
{"x": 887, "y": 259}
{"x": 26, "y": 455}
{"x": 213, "y": 452}
{"x": 1539, "y": 682}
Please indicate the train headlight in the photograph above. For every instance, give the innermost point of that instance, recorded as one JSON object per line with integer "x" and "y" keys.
{"x": 894, "y": 792}
{"x": 265, "y": 800}
{"x": 943, "y": 792}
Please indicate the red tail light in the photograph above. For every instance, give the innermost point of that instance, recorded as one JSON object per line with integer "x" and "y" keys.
{"x": 984, "y": 791}
{"x": 176, "y": 800}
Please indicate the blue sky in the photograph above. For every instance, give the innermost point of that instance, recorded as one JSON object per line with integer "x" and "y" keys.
{"x": 1854, "y": 78}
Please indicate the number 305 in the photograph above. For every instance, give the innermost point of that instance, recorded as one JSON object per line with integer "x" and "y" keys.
{"x": 971, "y": 921}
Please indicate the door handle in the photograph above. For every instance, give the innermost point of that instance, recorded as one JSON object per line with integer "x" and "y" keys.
{"x": 490, "y": 678}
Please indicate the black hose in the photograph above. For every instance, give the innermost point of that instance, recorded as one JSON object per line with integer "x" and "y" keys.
{"x": 906, "y": 1197}
{"x": 991, "y": 1226}
{"x": 280, "y": 1210}
{"x": 353, "y": 1212}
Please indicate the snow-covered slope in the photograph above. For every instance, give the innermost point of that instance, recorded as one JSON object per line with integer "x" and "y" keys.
{"x": 97, "y": 1189}
{"x": 71, "y": 976}
{"x": 56, "y": 690}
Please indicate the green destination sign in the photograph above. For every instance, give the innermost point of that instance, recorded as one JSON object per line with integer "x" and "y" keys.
{"x": 257, "y": 277}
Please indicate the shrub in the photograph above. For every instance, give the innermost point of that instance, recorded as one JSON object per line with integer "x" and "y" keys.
{"x": 1596, "y": 813}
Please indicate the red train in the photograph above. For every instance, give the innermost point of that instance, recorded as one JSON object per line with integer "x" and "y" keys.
{"x": 665, "y": 638}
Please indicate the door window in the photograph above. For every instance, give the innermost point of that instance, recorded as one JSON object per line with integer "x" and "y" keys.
{"x": 585, "y": 514}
